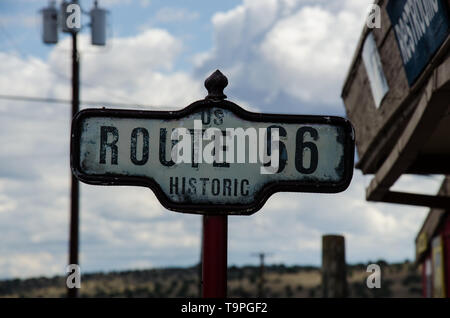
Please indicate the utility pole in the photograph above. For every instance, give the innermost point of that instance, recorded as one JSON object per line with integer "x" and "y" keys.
{"x": 68, "y": 19}
{"x": 261, "y": 256}
{"x": 75, "y": 186}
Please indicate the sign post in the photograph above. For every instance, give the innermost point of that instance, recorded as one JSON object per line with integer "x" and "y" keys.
{"x": 213, "y": 158}
{"x": 214, "y": 259}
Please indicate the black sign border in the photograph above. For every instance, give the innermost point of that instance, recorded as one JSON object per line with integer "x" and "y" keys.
{"x": 214, "y": 209}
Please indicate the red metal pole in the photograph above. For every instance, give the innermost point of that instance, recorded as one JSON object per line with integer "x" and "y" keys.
{"x": 214, "y": 264}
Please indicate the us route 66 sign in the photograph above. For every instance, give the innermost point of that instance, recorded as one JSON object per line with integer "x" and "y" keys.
{"x": 213, "y": 157}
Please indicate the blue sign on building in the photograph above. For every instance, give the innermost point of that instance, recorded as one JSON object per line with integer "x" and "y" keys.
{"x": 421, "y": 26}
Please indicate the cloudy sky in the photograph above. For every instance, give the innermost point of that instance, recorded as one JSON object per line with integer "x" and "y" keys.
{"x": 286, "y": 56}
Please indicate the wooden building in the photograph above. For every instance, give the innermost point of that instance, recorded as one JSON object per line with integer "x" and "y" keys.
{"x": 397, "y": 95}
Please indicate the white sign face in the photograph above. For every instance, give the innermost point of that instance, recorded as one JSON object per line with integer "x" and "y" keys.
{"x": 213, "y": 158}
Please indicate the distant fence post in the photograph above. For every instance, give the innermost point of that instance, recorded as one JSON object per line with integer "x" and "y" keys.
{"x": 334, "y": 274}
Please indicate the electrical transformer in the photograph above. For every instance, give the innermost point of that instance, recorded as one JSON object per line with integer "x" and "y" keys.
{"x": 98, "y": 25}
{"x": 50, "y": 25}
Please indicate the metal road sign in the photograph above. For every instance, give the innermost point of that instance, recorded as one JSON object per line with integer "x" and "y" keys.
{"x": 420, "y": 28}
{"x": 213, "y": 157}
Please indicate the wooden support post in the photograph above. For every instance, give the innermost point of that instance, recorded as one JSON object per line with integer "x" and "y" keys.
{"x": 334, "y": 280}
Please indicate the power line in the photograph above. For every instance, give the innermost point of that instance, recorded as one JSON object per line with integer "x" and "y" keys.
{"x": 66, "y": 101}
{"x": 58, "y": 74}
{"x": 85, "y": 83}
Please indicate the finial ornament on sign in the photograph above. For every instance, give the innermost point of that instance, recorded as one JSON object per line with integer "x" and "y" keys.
{"x": 215, "y": 84}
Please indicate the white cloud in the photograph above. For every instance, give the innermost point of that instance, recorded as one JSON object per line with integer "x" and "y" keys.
{"x": 19, "y": 20}
{"x": 174, "y": 14}
{"x": 34, "y": 175}
{"x": 291, "y": 225}
{"x": 28, "y": 71}
{"x": 145, "y": 3}
{"x": 289, "y": 52}
{"x": 308, "y": 52}
{"x": 110, "y": 3}
{"x": 278, "y": 56}
{"x": 133, "y": 69}
{"x": 26, "y": 265}
{"x": 6, "y": 205}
